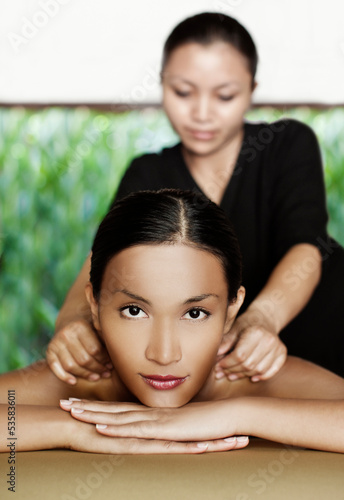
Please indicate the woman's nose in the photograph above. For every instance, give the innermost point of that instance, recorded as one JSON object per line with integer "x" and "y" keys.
{"x": 201, "y": 109}
{"x": 164, "y": 347}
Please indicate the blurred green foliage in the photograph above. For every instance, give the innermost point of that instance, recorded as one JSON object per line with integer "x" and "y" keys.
{"x": 59, "y": 170}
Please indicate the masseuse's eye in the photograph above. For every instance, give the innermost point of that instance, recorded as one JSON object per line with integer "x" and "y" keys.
{"x": 132, "y": 312}
{"x": 226, "y": 97}
{"x": 196, "y": 313}
{"x": 179, "y": 93}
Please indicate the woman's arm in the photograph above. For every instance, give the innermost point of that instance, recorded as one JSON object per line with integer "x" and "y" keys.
{"x": 75, "y": 350}
{"x": 302, "y": 405}
{"x": 308, "y": 423}
{"x": 30, "y": 419}
{"x": 258, "y": 350}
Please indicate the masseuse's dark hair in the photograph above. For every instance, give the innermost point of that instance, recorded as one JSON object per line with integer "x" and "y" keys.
{"x": 210, "y": 27}
{"x": 165, "y": 217}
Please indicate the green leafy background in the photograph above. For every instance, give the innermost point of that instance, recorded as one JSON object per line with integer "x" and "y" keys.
{"x": 59, "y": 170}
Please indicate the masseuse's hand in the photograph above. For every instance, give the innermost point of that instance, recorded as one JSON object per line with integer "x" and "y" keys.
{"x": 76, "y": 351}
{"x": 213, "y": 423}
{"x": 256, "y": 350}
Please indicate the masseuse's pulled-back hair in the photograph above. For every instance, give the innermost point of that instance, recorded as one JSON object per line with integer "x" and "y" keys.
{"x": 210, "y": 27}
{"x": 166, "y": 217}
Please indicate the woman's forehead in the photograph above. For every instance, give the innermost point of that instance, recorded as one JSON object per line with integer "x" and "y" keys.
{"x": 175, "y": 270}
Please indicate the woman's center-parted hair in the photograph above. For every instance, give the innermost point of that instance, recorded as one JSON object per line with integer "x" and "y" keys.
{"x": 210, "y": 27}
{"x": 168, "y": 216}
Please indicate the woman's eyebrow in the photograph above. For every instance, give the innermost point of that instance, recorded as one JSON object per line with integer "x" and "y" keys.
{"x": 199, "y": 298}
{"x": 131, "y": 295}
{"x": 225, "y": 84}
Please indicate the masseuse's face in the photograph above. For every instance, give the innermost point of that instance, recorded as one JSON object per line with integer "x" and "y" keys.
{"x": 165, "y": 313}
{"x": 207, "y": 90}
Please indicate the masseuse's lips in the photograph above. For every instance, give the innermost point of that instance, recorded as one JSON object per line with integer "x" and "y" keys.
{"x": 163, "y": 382}
{"x": 203, "y": 135}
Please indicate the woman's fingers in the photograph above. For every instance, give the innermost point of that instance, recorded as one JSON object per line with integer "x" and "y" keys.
{"x": 102, "y": 406}
{"x": 134, "y": 446}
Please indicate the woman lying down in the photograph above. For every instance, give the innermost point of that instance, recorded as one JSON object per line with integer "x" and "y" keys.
{"x": 164, "y": 289}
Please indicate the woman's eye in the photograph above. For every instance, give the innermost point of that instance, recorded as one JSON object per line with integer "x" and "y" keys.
{"x": 196, "y": 314}
{"x": 182, "y": 94}
{"x": 133, "y": 312}
{"x": 226, "y": 97}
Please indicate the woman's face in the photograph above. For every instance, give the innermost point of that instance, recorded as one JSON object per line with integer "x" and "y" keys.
{"x": 165, "y": 313}
{"x": 207, "y": 90}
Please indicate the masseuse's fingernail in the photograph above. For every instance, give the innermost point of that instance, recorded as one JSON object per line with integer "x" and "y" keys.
{"x": 101, "y": 426}
{"x": 74, "y": 399}
{"x": 232, "y": 376}
{"x": 77, "y": 410}
{"x": 94, "y": 377}
{"x": 106, "y": 374}
{"x": 219, "y": 374}
{"x": 204, "y": 446}
{"x": 109, "y": 366}
{"x": 65, "y": 402}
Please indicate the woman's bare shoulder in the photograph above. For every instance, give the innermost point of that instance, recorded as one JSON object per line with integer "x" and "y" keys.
{"x": 299, "y": 378}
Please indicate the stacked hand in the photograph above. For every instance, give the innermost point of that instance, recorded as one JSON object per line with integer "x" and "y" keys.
{"x": 137, "y": 429}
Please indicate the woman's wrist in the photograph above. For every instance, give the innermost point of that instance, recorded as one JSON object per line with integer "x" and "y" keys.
{"x": 242, "y": 413}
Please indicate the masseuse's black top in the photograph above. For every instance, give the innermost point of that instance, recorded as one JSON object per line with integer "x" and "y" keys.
{"x": 275, "y": 199}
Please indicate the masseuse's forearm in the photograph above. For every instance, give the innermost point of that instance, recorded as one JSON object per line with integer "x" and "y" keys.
{"x": 34, "y": 427}
{"x": 75, "y": 306}
{"x": 316, "y": 424}
{"x": 289, "y": 287}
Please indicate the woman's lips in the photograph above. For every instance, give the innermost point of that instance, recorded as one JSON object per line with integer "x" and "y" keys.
{"x": 203, "y": 135}
{"x": 163, "y": 382}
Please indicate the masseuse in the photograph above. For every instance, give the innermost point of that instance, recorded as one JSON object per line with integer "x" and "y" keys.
{"x": 268, "y": 178}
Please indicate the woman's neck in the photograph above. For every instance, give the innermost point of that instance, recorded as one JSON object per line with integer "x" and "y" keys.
{"x": 213, "y": 172}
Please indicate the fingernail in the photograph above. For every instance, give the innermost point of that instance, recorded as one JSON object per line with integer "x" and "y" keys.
{"x": 255, "y": 379}
{"x": 74, "y": 399}
{"x": 109, "y": 365}
{"x": 94, "y": 377}
{"x": 230, "y": 440}
{"x": 77, "y": 410}
{"x": 232, "y": 376}
{"x": 101, "y": 426}
{"x": 204, "y": 446}
{"x": 65, "y": 402}
{"x": 71, "y": 381}
{"x": 219, "y": 375}
{"x": 241, "y": 439}
{"x": 106, "y": 374}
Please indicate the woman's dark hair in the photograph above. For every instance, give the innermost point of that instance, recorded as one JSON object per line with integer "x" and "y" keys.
{"x": 210, "y": 27}
{"x": 166, "y": 216}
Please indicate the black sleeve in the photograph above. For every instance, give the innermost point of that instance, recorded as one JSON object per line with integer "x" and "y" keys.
{"x": 298, "y": 195}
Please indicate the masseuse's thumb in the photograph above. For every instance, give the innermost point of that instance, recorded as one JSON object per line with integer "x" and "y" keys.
{"x": 228, "y": 342}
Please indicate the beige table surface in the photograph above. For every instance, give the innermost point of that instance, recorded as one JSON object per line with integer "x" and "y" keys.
{"x": 264, "y": 470}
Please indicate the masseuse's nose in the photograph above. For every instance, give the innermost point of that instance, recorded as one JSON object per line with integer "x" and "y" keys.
{"x": 201, "y": 108}
{"x": 163, "y": 347}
